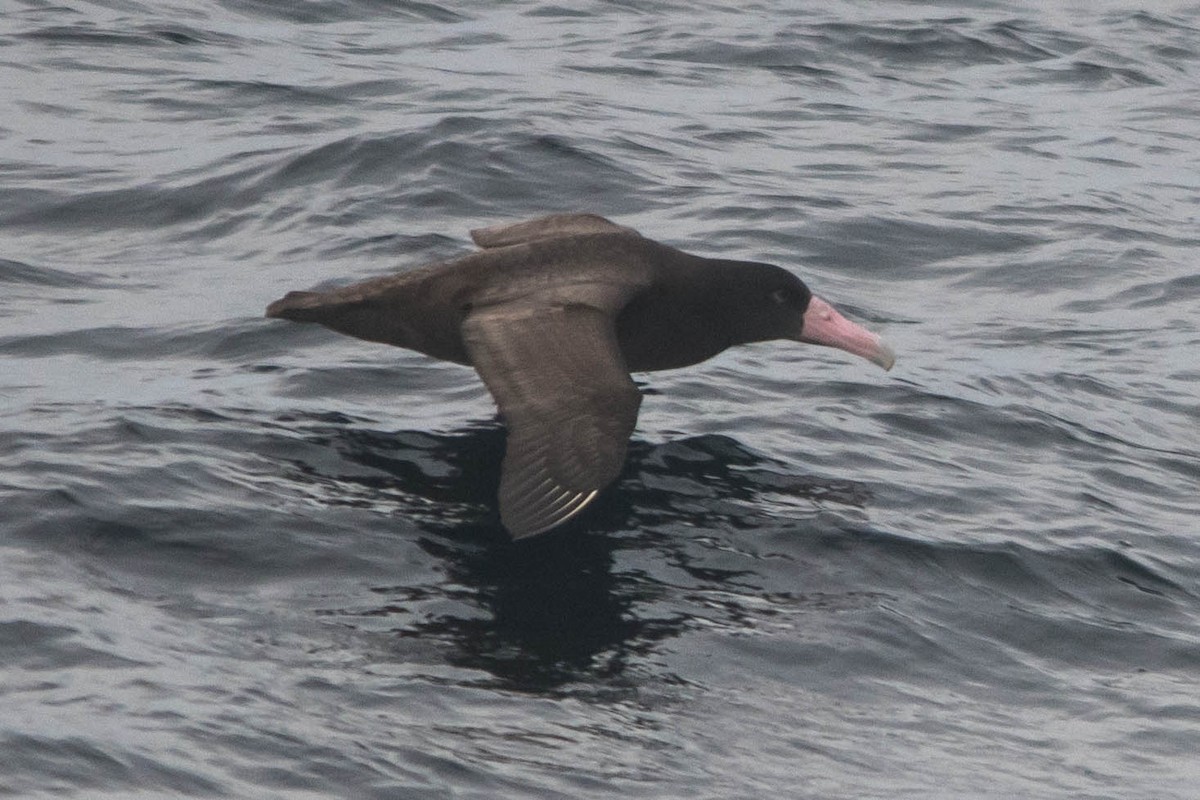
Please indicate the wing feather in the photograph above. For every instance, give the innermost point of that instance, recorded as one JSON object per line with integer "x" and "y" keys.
{"x": 561, "y": 384}
{"x": 549, "y": 227}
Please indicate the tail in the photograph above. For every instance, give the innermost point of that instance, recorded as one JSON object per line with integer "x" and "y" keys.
{"x": 296, "y": 306}
{"x": 345, "y": 312}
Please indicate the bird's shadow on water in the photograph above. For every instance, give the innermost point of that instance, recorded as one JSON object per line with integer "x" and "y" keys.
{"x": 556, "y": 608}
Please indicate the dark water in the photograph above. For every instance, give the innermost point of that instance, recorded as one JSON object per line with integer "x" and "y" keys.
{"x": 241, "y": 558}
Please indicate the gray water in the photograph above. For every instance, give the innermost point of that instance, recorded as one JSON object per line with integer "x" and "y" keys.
{"x": 243, "y": 558}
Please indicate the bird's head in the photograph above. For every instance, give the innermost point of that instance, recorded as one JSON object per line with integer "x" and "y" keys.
{"x": 783, "y": 307}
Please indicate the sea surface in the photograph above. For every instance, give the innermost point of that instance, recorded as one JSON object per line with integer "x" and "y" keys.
{"x": 242, "y": 558}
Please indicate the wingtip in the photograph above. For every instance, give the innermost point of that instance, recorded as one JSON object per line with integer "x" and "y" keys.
{"x": 525, "y": 522}
{"x": 547, "y": 227}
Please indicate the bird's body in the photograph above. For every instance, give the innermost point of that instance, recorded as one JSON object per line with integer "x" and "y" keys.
{"x": 554, "y": 314}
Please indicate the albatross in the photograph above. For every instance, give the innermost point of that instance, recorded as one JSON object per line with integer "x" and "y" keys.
{"x": 554, "y": 314}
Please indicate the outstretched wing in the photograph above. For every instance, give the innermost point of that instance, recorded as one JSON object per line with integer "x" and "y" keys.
{"x": 561, "y": 385}
{"x": 550, "y": 227}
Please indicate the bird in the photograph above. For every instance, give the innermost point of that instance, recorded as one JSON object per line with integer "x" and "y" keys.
{"x": 554, "y": 314}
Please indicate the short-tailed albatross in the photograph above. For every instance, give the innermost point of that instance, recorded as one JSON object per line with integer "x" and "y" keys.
{"x": 554, "y": 314}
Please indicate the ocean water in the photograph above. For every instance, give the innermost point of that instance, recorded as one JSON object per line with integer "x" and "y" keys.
{"x": 245, "y": 558}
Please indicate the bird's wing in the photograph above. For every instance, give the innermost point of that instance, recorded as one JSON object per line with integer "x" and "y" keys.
{"x": 550, "y": 227}
{"x": 560, "y": 383}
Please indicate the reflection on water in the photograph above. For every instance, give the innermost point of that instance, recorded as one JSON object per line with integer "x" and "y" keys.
{"x": 548, "y": 611}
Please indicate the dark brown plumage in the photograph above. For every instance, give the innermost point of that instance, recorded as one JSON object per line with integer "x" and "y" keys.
{"x": 554, "y": 314}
